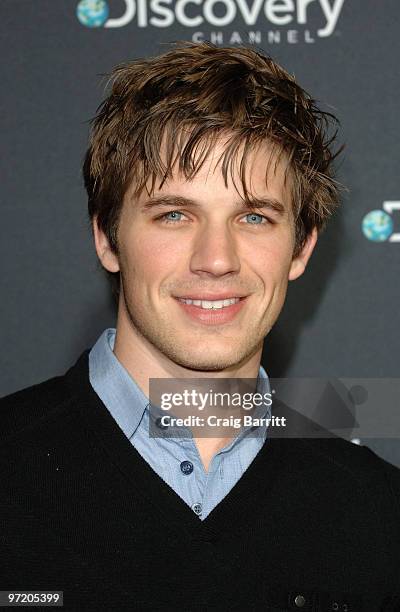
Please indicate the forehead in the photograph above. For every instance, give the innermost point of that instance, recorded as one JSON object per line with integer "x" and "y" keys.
{"x": 247, "y": 170}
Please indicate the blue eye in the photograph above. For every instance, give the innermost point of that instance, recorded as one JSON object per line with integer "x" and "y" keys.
{"x": 174, "y": 215}
{"x": 255, "y": 219}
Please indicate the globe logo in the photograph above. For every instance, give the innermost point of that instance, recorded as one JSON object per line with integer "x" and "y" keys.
{"x": 377, "y": 225}
{"x": 92, "y": 13}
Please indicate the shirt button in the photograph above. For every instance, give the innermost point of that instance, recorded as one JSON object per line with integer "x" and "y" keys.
{"x": 197, "y": 508}
{"x": 299, "y": 601}
{"x": 186, "y": 467}
{"x": 160, "y": 424}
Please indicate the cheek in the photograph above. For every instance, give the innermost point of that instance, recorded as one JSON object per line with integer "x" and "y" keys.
{"x": 270, "y": 259}
{"x": 147, "y": 258}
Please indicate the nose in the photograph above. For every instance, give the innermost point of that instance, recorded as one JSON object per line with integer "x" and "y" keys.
{"x": 214, "y": 251}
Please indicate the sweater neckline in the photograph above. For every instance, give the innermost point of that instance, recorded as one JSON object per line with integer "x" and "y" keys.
{"x": 234, "y": 509}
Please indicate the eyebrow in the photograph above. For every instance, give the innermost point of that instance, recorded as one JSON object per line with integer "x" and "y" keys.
{"x": 250, "y": 204}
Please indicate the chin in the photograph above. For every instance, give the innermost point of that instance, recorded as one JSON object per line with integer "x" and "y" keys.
{"x": 206, "y": 366}
{"x": 207, "y": 361}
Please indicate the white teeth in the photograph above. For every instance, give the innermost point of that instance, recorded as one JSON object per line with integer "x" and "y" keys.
{"x": 210, "y": 304}
{"x": 217, "y": 304}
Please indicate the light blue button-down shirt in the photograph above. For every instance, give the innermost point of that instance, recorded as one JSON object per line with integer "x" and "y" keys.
{"x": 175, "y": 460}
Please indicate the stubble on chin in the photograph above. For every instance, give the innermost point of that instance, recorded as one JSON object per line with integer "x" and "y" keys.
{"x": 194, "y": 351}
{"x": 209, "y": 350}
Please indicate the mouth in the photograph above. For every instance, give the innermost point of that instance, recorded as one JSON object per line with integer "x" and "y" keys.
{"x": 211, "y": 311}
{"x": 210, "y": 304}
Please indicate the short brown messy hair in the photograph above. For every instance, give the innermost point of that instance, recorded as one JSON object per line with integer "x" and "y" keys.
{"x": 189, "y": 96}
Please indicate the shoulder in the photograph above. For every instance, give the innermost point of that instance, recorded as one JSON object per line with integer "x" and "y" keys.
{"x": 32, "y": 405}
{"x": 346, "y": 455}
{"x": 341, "y": 460}
{"x": 332, "y": 459}
{"x": 28, "y": 406}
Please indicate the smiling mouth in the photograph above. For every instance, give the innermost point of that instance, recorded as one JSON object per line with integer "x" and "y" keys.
{"x": 211, "y": 304}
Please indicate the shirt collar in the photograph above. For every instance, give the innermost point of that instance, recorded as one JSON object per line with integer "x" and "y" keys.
{"x": 114, "y": 385}
{"x": 121, "y": 394}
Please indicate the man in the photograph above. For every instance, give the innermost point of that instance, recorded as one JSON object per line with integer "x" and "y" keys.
{"x": 209, "y": 176}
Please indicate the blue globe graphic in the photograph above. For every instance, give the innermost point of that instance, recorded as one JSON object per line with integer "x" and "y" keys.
{"x": 377, "y": 225}
{"x": 92, "y": 13}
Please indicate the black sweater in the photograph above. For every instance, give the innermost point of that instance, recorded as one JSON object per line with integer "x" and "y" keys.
{"x": 313, "y": 524}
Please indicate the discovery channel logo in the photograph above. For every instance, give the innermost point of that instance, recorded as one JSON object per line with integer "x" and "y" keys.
{"x": 377, "y": 225}
{"x": 92, "y": 13}
{"x": 289, "y": 19}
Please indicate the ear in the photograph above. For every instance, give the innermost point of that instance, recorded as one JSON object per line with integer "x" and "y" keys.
{"x": 108, "y": 258}
{"x": 299, "y": 263}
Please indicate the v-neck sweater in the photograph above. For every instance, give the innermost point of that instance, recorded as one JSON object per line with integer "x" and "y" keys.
{"x": 312, "y": 524}
{"x": 176, "y": 460}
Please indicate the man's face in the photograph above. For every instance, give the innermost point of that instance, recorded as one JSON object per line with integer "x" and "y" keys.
{"x": 196, "y": 241}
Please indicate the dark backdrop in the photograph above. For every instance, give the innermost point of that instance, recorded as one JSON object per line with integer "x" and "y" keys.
{"x": 341, "y": 318}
